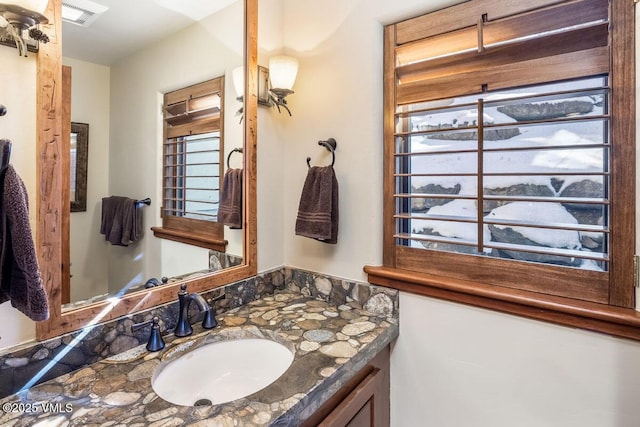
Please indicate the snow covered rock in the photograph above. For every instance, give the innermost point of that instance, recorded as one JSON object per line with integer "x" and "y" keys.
{"x": 546, "y": 110}
{"x": 530, "y": 236}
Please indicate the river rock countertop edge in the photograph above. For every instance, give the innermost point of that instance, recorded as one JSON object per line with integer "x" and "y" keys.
{"x": 331, "y": 343}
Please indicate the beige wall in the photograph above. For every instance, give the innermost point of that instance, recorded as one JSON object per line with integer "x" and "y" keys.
{"x": 452, "y": 365}
{"x": 18, "y": 94}
{"x": 203, "y": 51}
{"x": 89, "y": 251}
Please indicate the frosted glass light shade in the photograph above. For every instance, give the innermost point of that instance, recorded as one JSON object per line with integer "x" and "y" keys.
{"x": 283, "y": 71}
{"x": 33, "y": 5}
{"x": 238, "y": 80}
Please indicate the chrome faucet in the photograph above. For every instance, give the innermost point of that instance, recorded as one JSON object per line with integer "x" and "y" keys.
{"x": 183, "y": 327}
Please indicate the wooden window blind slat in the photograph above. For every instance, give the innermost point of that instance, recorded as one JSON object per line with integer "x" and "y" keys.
{"x": 559, "y": 252}
{"x": 576, "y": 200}
{"x": 550, "y": 19}
{"x": 195, "y": 91}
{"x": 193, "y": 157}
{"x": 591, "y": 15}
{"x": 506, "y": 222}
{"x": 461, "y": 16}
{"x": 550, "y": 96}
{"x": 202, "y": 126}
{"x": 593, "y": 40}
{"x": 548, "y": 46}
{"x": 497, "y": 76}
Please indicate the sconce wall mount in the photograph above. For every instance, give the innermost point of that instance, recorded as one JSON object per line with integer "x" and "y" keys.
{"x": 274, "y": 83}
{"x": 277, "y": 98}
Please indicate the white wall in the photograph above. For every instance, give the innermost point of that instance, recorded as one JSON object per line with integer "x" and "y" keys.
{"x": 18, "y": 94}
{"x": 271, "y": 147}
{"x": 177, "y": 62}
{"x": 205, "y": 50}
{"x": 89, "y": 250}
{"x": 453, "y": 365}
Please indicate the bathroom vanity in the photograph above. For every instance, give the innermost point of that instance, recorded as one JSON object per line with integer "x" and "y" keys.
{"x": 340, "y": 368}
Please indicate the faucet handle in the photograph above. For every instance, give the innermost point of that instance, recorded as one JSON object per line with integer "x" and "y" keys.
{"x": 151, "y": 283}
{"x": 155, "y": 342}
{"x": 218, "y": 298}
{"x": 209, "y": 321}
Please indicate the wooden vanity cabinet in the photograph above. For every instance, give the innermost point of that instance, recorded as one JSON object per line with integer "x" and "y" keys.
{"x": 363, "y": 402}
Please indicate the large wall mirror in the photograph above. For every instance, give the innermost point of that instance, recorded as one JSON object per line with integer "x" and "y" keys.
{"x": 118, "y": 91}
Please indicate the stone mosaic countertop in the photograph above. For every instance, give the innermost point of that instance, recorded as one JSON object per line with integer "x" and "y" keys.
{"x": 330, "y": 344}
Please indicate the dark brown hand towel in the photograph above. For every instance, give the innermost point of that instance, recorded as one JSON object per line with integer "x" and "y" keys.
{"x": 121, "y": 220}
{"x": 20, "y": 280}
{"x": 318, "y": 210}
{"x": 230, "y": 207}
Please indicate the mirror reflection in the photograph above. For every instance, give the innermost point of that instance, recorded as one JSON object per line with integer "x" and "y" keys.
{"x": 123, "y": 62}
{"x": 78, "y": 152}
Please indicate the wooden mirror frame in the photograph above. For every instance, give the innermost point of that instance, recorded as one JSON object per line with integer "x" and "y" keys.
{"x": 50, "y": 206}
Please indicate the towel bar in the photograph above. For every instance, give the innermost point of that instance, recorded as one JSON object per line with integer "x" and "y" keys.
{"x": 146, "y": 201}
{"x": 330, "y": 144}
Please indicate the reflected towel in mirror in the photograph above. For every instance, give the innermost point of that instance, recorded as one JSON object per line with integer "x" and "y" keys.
{"x": 20, "y": 279}
{"x": 230, "y": 207}
{"x": 121, "y": 220}
{"x": 318, "y": 209}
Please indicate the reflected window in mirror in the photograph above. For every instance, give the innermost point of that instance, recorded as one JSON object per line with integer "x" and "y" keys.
{"x": 192, "y": 158}
{"x": 133, "y": 145}
{"x": 78, "y": 161}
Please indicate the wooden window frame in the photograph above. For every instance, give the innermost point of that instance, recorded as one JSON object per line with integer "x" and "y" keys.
{"x": 479, "y": 286}
{"x": 191, "y": 231}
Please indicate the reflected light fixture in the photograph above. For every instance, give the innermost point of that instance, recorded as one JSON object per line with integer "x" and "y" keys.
{"x": 282, "y": 72}
{"x": 19, "y": 20}
{"x": 238, "y": 83}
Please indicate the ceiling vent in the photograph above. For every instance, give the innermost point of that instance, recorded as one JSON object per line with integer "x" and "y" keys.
{"x": 81, "y": 12}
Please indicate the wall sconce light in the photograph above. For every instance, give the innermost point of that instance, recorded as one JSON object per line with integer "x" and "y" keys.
{"x": 238, "y": 82}
{"x": 237, "y": 74}
{"x": 20, "y": 16}
{"x": 282, "y": 72}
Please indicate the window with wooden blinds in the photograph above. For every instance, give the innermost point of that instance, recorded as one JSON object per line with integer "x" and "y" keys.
{"x": 509, "y": 152}
{"x": 193, "y": 164}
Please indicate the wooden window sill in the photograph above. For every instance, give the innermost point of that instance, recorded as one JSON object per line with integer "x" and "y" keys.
{"x": 190, "y": 238}
{"x": 616, "y": 321}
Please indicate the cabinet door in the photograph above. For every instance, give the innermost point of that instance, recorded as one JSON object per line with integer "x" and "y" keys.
{"x": 358, "y": 408}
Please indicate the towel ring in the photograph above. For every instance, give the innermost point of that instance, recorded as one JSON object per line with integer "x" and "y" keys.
{"x": 235, "y": 150}
{"x": 330, "y": 144}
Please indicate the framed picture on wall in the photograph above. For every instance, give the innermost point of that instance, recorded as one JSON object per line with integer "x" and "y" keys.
{"x": 78, "y": 162}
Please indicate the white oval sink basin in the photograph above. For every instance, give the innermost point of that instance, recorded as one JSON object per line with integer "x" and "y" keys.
{"x": 221, "y": 372}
